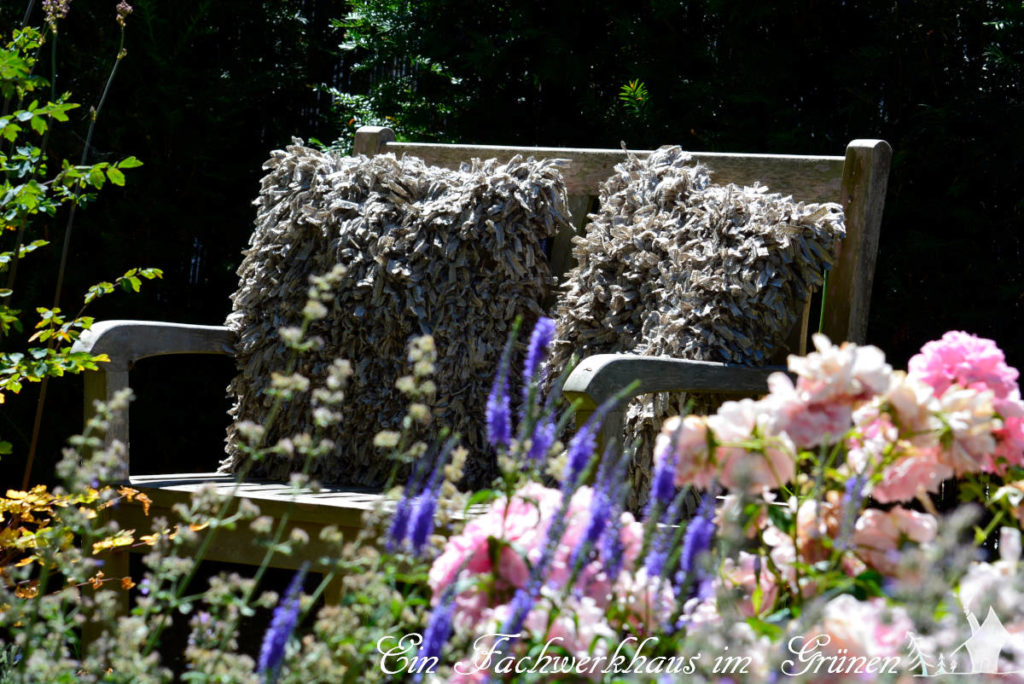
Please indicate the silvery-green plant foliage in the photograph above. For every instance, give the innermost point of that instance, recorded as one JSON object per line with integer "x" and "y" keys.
{"x": 674, "y": 265}
{"x": 456, "y": 254}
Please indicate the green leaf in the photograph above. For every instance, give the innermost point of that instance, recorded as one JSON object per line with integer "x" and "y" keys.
{"x": 5, "y": 448}
{"x": 129, "y": 163}
{"x": 481, "y": 497}
{"x": 115, "y": 176}
{"x": 96, "y": 177}
{"x": 38, "y": 124}
{"x": 781, "y": 518}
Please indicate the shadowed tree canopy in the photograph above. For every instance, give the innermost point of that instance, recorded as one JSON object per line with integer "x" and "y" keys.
{"x": 209, "y": 88}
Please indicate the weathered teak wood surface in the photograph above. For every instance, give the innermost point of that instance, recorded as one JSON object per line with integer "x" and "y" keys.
{"x": 857, "y": 180}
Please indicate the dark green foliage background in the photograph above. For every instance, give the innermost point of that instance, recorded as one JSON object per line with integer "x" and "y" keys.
{"x": 209, "y": 88}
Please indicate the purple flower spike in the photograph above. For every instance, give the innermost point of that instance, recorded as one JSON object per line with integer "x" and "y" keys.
{"x": 399, "y": 524}
{"x": 499, "y": 422}
{"x": 583, "y": 443}
{"x": 663, "y": 488}
{"x": 423, "y": 521}
{"x": 541, "y": 338}
{"x": 439, "y": 628}
{"x": 543, "y": 438}
{"x": 853, "y": 496}
{"x": 426, "y": 503}
{"x": 286, "y": 616}
{"x": 602, "y": 503}
{"x": 698, "y": 536}
{"x": 520, "y": 607}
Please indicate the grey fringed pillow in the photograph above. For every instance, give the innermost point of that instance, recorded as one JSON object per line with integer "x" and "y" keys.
{"x": 672, "y": 265}
{"x": 454, "y": 254}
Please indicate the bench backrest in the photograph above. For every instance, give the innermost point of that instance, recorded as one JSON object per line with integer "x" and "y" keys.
{"x": 856, "y": 181}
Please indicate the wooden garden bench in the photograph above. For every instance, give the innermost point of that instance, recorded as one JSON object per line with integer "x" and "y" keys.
{"x": 856, "y": 180}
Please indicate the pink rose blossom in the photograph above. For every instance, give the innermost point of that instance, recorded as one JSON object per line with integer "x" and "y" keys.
{"x": 972, "y": 421}
{"x": 648, "y": 602}
{"x": 915, "y": 472}
{"x": 842, "y": 373}
{"x": 879, "y": 535}
{"x": 914, "y": 406}
{"x": 740, "y": 468}
{"x": 865, "y": 628}
{"x": 687, "y": 439}
{"x": 808, "y": 424}
{"x": 574, "y": 624}
{"x": 1010, "y": 439}
{"x": 522, "y": 526}
{"x": 966, "y": 360}
{"x": 745, "y": 575}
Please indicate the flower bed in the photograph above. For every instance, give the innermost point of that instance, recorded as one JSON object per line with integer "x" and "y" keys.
{"x": 856, "y": 523}
{"x": 817, "y": 551}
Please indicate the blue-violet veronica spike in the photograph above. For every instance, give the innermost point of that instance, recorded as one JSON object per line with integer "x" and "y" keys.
{"x": 583, "y": 443}
{"x": 699, "y": 534}
{"x": 542, "y": 439}
{"x": 541, "y": 338}
{"x": 286, "y": 616}
{"x": 422, "y": 523}
{"x": 499, "y": 425}
{"x": 519, "y": 608}
{"x": 439, "y": 628}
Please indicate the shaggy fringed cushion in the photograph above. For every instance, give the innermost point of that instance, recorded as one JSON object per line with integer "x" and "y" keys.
{"x": 672, "y": 265}
{"x": 454, "y": 254}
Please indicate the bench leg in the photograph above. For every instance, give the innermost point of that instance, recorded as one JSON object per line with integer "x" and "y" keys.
{"x": 332, "y": 594}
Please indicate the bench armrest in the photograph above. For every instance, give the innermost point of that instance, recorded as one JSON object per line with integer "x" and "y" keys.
{"x": 125, "y": 342}
{"x": 600, "y": 377}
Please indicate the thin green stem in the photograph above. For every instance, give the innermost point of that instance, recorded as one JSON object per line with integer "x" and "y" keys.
{"x": 41, "y": 401}
{"x": 179, "y": 589}
{"x": 824, "y": 300}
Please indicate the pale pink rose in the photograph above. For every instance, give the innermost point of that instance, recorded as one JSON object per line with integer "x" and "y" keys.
{"x": 648, "y": 601}
{"x": 916, "y": 472}
{"x": 701, "y": 611}
{"x": 993, "y": 584}
{"x": 685, "y": 438}
{"x": 865, "y": 628}
{"x": 873, "y": 435}
{"x": 632, "y": 537}
{"x": 817, "y": 521}
{"x": 580, "y": 627}
{"x": 466, "y": 671}
{"x": 591, "y": 579}
{"x": 997, "y": 587}
{"x": 807, "y": 423}
{"x": 914, "y": 406}
{"x": 744, "y": 576}
{"x": 836, "y": 374}
{"x": 971, "y": 419}
{"x": 879, "y": 535}
{"x": 740, "y": 421}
